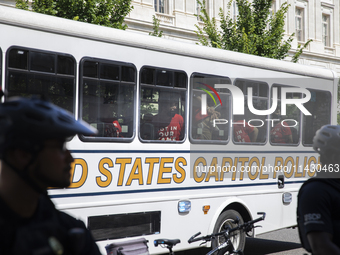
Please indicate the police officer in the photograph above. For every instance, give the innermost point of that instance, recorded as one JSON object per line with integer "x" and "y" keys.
{"x": 319, "y": 198}
{"x": 33, "y": 157}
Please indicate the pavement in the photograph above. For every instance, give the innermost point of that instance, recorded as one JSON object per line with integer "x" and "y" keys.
{"x": 280, "y": 242}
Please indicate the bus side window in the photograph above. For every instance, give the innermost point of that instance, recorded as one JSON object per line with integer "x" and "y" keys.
{"x": 320, "y": 107}
{"x": 36, "y": 72}
{"x": 285, "y": 129}
{"x": 251, "y": 128}
{"x": 108, "y": 98}
{"x": 162, "y": 104}
{"x": 209, "y": 109}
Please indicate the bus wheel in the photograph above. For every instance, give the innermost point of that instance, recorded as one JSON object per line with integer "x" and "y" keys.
{"x": 238, "y": 238}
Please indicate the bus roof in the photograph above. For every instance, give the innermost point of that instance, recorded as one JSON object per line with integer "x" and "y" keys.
{"x": 51, "y": 24}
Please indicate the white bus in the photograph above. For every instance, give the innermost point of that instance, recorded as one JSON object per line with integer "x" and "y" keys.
{"x": 169, "y": 160}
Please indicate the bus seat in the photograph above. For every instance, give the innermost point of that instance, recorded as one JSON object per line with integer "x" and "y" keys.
{"x": 147, "y": 131}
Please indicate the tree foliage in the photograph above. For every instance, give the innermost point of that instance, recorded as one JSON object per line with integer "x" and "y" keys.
{"x": 256, "y": 30}
{"x": 110, "y": 13}
{"x": 156, "y": 32}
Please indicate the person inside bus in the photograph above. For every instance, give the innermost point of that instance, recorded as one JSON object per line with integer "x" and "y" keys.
{"x": 204, "y": 122}
{"x": 169, "y": 123}
{"x": 108, "y": 117}
{"x": 318, "y": 212}
{"x": 243, "y": 132}
{"x": 33, "y": 157}
{"x": 281, "y": 132}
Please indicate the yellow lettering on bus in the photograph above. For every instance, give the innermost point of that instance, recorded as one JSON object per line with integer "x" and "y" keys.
{"x": 136, "y": 173}
{"x": 212, "y": 170}
{"x": 180, "y": 170}
{"x": 151, "y": 162}
{"x": 243, "y": 166}
{"x": 84, "y": 170}
{"x": 234, "y": 169}
{"x": 163, "y": 169}
{"x": 297, "y": 168}
{"x": 122, "y": 162}
{"x": 225, "y": 168}
{"x": 105, "y": 172}
{"x": 277, "y": 165}
{"x": 197, "y": 167}
{"x": 288, "y": 171}
{"x": 262, "y": 175}
{"x": 251, "y": 175}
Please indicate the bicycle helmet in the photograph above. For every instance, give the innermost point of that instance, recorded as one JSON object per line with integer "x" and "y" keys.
{"x": 327, "y": 143}
{"x": 26, "y": 122}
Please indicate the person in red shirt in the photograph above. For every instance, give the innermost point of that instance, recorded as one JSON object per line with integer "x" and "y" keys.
{"x": 281, "y": 132}
{"x": 113, "y": 130}
{"x": 243, "y": 132}
{"x": 170, "y": 123}
{"x": 204, "y": 121}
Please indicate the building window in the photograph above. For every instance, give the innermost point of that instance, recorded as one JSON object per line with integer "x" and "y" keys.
{"x": 273, "y": 7}
{"x": 272, "y": 11}
{"x": 299, "y": 24}
{"x": 161, "y": 6}
{"x": 199, "y": 10}
{"x": 326, "y": 30}
{"x": 235, "y": 10}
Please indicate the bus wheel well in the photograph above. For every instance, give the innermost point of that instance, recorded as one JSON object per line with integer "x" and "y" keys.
{"x": 240, "y": 209}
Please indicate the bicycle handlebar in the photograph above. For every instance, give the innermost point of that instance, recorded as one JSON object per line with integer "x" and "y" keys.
{"x": 247, "y": 226}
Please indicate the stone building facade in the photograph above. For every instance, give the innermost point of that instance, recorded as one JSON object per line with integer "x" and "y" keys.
{"x": 318, "y": 20}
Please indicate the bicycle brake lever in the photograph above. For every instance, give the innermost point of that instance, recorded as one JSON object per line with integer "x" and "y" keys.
{"x": 251, "y": 228}
{"x": 203, "y": 243}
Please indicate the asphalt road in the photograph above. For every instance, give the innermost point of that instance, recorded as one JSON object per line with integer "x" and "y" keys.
{"x": 281, "y": 242}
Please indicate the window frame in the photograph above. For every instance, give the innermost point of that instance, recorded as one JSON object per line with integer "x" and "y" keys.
{"x": 300, "y": 17}
{"x": 207, "y": 141}
{"x": 235, "y": 10}
{"x": 303, "y": 119}
{"x": 155, "y": 85}
{"x": 158, "y": 7}
{"x": 29, "y": 71}
{"x": 98, "y": 79}
{"x": 246, "y": 99}
{"x": 326, "y": 42}
{"x": 279, "y": 85}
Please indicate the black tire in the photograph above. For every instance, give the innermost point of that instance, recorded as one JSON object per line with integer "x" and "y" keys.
{"x": 238, "y": 238}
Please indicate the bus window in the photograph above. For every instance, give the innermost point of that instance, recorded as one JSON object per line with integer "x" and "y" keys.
{"x": 285, "y": 129}
{"x": 209, "y": 104}
{"x": 42, "y": 62}
{"x": 250, "y": 128}
{"x": 162, "y": 104}
{"x": 320, "y": 107}
{"x": 35, "y": 72}
{"x": 107, "y": 91}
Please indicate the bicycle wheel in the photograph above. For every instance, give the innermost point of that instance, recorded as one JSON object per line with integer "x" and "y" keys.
{"x": 238, "y": 238}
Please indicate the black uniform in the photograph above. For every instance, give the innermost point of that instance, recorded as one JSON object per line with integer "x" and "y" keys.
{"x": 319, "y": 209}
{"x": 48, "y": 231}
